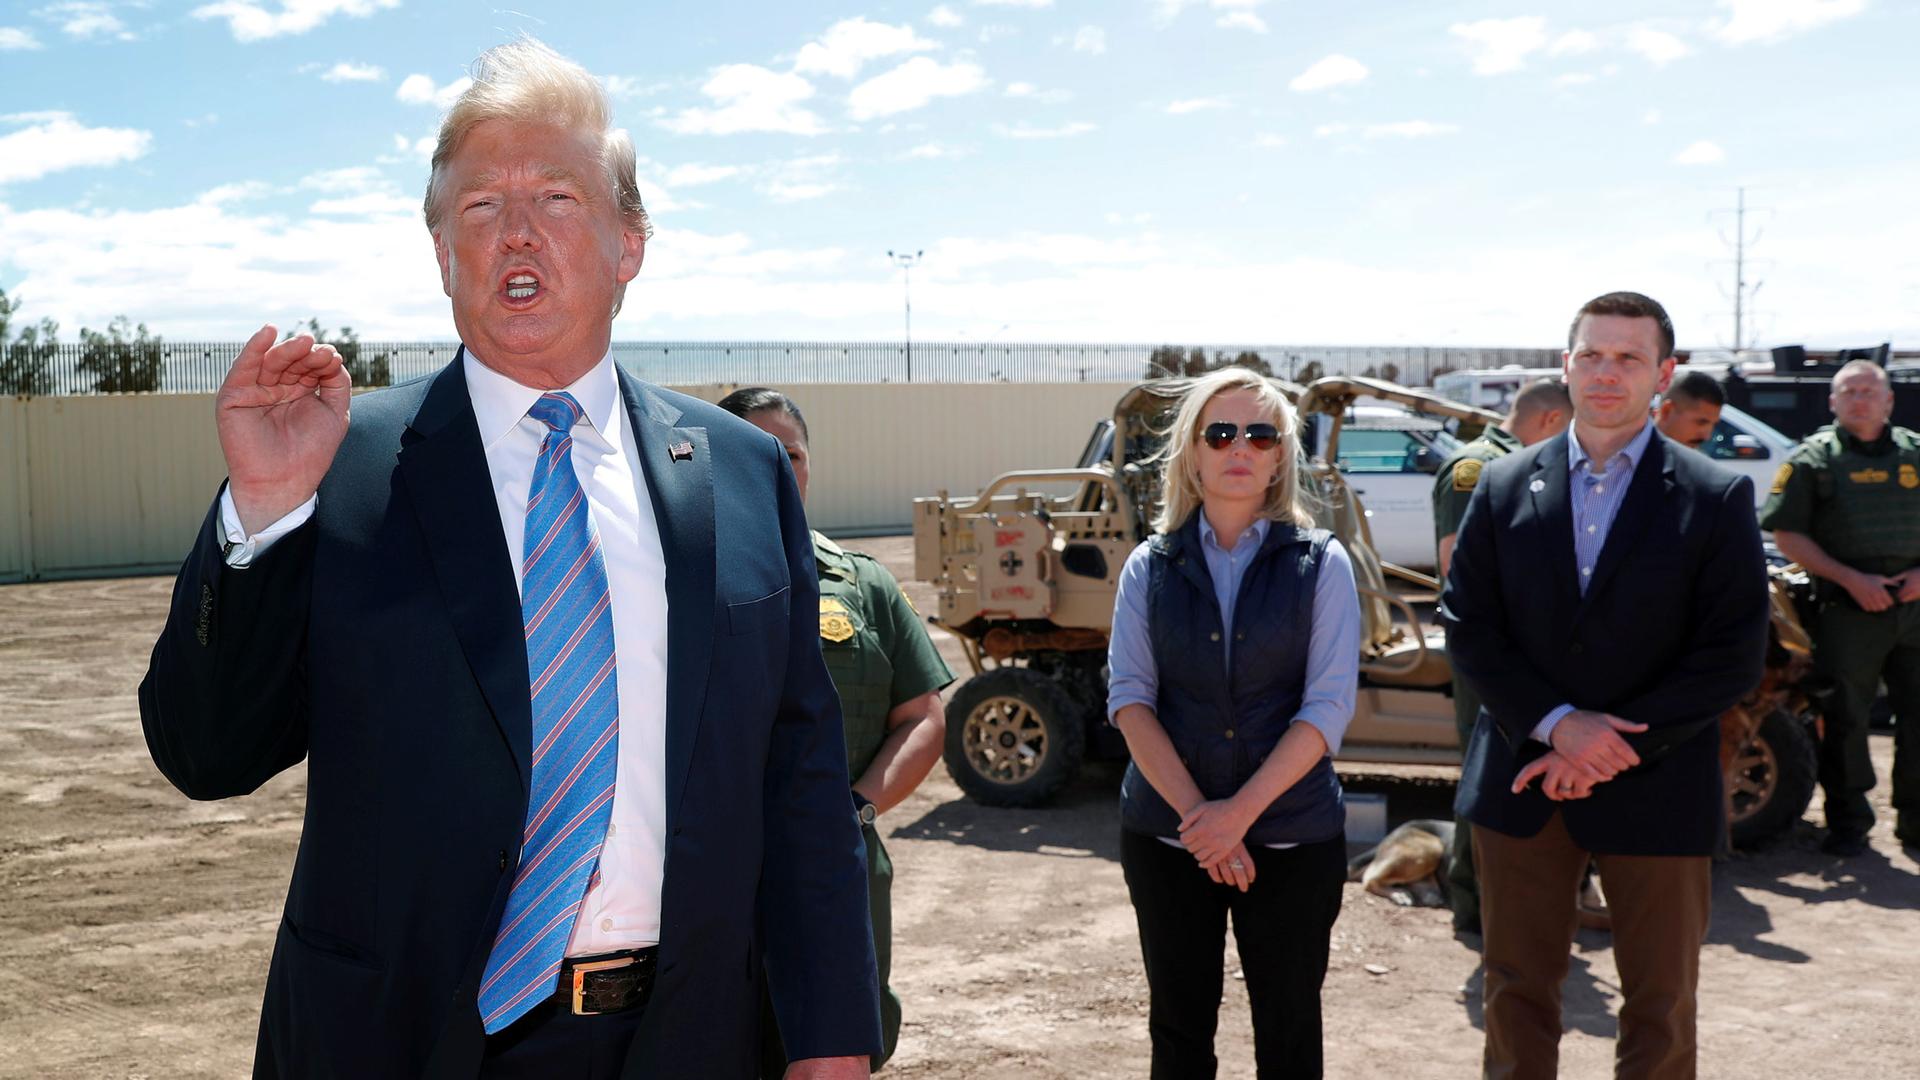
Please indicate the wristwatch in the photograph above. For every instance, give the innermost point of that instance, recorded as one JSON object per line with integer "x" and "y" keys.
{"x": 864, "y": 809}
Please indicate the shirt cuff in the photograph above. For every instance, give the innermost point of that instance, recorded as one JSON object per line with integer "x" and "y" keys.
{"x": 241, "y": 549}
{"x": 1543, "y": 731}
{"x": 1120, "y": 699}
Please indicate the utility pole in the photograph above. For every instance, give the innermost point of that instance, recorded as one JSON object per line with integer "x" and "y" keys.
{"x": 906, "y": 263}
{"x": 1742, "y": 292}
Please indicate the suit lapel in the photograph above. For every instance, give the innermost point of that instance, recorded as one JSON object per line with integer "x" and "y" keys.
{"x": 443, "y": 466}
{"x": 678, "y": 469}
{"x": 1553, "y": 516}
{"x": 1648, "y": 490}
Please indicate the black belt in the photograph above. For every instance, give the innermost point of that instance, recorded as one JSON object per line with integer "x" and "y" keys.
{"x": 606, "y": 982}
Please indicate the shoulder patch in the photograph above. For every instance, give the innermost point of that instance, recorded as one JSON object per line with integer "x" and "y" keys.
{"x": 1466, "y": 474}
{"x": 1781, "y": 476}
{"x": 1909, "y": 476}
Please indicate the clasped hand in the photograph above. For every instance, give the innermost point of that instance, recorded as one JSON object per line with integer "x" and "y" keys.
{"x": 1214, "y": 833}
{"x": 1587, "y": 750}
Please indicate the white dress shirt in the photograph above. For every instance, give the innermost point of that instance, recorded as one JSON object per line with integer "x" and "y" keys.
{"x": 622, "y": 906}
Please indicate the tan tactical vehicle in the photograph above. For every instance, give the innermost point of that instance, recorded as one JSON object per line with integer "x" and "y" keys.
{"x": 1026, "y": 572}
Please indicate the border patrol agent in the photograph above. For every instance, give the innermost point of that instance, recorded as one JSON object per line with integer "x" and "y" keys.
{"x": 1540, "y": 410}
{"x": 1846, "y": 505}
{"x": 889, "y": 677}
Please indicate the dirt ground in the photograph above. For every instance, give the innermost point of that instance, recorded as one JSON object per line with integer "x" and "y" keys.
{"x": 135, "y": 925}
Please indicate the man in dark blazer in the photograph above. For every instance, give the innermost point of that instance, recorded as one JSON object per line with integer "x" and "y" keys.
{"x": 1608, "y": 601}
{"x": 355, "y": 599}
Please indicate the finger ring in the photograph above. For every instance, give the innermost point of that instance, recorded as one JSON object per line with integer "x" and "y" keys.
{"x": 1237, "y": 865}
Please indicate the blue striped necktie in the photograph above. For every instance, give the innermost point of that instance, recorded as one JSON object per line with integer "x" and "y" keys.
{"x": 569, "y": 620}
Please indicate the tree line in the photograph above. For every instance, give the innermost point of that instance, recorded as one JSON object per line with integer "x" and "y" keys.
{"x": 127, "y": 358}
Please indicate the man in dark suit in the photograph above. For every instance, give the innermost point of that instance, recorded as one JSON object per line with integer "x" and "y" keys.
{"x": 546, "y": 636}
{"x": 1608, "y": 601}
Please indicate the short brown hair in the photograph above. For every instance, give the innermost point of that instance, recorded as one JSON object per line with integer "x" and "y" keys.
{"x": 1634, "y": 306}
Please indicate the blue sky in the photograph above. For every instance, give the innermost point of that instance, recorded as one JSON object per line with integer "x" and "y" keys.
{"x": 1124, "y": 170}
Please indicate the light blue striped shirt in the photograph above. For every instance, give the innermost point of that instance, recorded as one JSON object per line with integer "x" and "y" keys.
{"x": 1596, "y": 492}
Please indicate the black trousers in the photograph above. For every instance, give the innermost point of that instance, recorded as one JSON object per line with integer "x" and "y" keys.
{"x": 551, "y": 1043}
{"x": 1282, "y": 925}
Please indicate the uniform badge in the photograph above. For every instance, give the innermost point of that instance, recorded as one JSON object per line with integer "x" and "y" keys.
{"x": 836, "y": 622}
{"x": 1466, "y": 474}
{"x": 1909, "y": 476}
{"x": 1781, "y": 475}
{"x": 1869, "y": 476}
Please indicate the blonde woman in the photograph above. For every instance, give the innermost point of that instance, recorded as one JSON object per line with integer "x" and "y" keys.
{"x": 1234, "y": 658}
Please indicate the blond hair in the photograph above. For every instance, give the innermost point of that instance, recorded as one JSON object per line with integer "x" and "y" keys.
{"x": 1180, "y": 492}
{"x": 525, "y": 82}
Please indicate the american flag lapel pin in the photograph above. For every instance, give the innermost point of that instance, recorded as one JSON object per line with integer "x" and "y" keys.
{"x": 681, "y": 451}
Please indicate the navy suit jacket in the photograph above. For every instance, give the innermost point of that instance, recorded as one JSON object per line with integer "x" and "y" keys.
{"x": 382, "y": 641}
{"x": 1671, "y": 632}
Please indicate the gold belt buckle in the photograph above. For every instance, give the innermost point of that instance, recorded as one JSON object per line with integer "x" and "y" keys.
{"x": 580, "y": 971}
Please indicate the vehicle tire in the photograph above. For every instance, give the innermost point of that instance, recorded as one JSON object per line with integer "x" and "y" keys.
{"x": 1014, "y": 737}
{"x": 1772, "y": 779}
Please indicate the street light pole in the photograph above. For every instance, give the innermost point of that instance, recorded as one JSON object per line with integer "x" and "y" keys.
{"x": 906, "y": 263}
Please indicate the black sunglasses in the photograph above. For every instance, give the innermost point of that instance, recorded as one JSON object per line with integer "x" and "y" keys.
{"x": 1259, "y": 436}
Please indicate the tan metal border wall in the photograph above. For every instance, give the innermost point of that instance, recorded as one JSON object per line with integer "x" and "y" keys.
{"x": 117, "y": 483}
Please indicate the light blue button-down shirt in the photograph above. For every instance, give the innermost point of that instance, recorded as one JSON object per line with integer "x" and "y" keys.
{"x": 1333, "y": 653}
{"x": 1596, "y": 491}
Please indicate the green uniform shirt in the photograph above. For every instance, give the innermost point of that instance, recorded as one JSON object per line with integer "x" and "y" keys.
{"x": 877, "y": 651}
{"x": 1859, "y": 501}
{"x": 1453, "y": 485}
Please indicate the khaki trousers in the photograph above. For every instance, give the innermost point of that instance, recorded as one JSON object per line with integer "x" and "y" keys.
{"x": 1659, "y": 904}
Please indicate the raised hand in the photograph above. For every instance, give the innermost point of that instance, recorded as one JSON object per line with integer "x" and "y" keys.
{"x": 1592, "y": 741}
{"x": 281, "y": 413}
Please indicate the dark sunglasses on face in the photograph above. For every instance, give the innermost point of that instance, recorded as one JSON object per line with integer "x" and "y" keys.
{"x": 1259, "y": 436}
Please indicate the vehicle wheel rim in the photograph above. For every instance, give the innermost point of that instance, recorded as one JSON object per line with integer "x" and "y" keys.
{"x": 1005, "y": 739}
{"x": 1755, "y": 775}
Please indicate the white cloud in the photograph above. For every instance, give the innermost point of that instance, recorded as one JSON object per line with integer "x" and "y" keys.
{"x": 86, "y": 19}
{"x": 1409, "y": 129}
{"x": 750, "y": 98}
{"x": 944, "y": 16}
{"x": 1701, "y": 153}
{"x": 850, "y": 43}
{"x": 1266, "y": 140}
{"x": 958, "y": 255}
{"x": 1650, "y": 117}
{"x": 419, "y": 89}
{"x": 1194, "y": 105}
{"x": 802, "y": 178}
{"x": 1020, "y": 89}
{"x": 242, "y": 191}
{"x": 934, "y": 151}
{"x": 1064, "y": 131}
{"x": 626, "y": 86}
{"x": 348, "y": 180}
{"x": 694, "y": 175}
{"x": 993, "y": 32}
{"x": 1236, "y": 14}
{"x": 12, "y": 38}
{"x": 912, "y": 85}
{"x": 1015, "y": 3}
{"x": 1659, "y": 47}
{"x": 1327, "y": 131}
{"x": 251, "y": 21}
{"x": 1091, "y": 40}
{"x": 1750, "y": 21}
{"x": 1501, "y": 45}
{"x": 1573, "y": 78}
{"x": 1574, "y": 43}
{"x": 54, "y": 141}
{"x": 367, "y": 204}
{"x": 348, "y": 71}
{"x": 1328, "y": 72}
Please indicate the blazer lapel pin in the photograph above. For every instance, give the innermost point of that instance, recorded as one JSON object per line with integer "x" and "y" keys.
{"x": 1537, "y": 486}
{"x": 681, "y": 451}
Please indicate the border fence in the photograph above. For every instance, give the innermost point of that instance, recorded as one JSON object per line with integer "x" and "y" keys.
{"x": 199, "y": 366}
